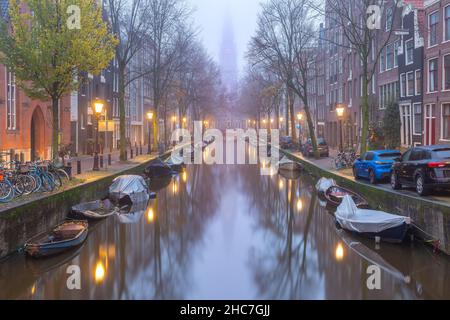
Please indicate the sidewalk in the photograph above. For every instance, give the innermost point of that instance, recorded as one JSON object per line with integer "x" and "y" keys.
{"x": 328, "y": 165}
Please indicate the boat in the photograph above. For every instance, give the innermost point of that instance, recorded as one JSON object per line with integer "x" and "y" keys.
{"x": 373, "y": 257}
{"x": 371, "y": 223}
{"x": 96, "y": 210}
{"x": 324, "y": 184}
{"x": 129, "y": 189}
{"x": 65, "y": 236}
{"x": 161, "y": 183}
{"x": 158, "y": 168}
{"x": 176, "y": 163}
{"x": 287, "y": 164}
{"x": 335, "y": 194}
{"x": 135, "y": 214}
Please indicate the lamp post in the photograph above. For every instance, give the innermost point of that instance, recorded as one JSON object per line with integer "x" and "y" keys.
{"x": 300, "y": 118}
{"x": 150, "y": 119}
{"x": 98, "y": 108}
{"x": 340, "y": 114}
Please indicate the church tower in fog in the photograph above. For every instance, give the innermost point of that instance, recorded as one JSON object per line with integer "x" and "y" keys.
{"x": 228, "y": 56}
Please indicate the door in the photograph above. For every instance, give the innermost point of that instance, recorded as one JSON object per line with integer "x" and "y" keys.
{"x": 360, "y": 164}
{"x": 402, "y": 166}
{"x": 406, "y": 129}
{"x": 430, "y": 124}
{"x": 365, "y": 164}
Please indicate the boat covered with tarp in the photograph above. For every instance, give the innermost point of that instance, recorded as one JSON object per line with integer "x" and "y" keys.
{"x": 289, "y": 165}
{"x": 371, "y": 223}
{"x": 158, "y": 168}
{"x": 176, "y": 163}
{"x": 135, "y": 214}
{"x": 324, "y": 184}
{"x": 129, "y": 189}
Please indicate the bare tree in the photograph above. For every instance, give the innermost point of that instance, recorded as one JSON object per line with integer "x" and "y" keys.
{"x": 285, "y": 42}
{"x": 359, "y": 21}
{"x": 128, "y": 19}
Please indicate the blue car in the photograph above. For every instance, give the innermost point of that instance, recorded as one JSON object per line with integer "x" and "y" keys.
{"x": 375, "y": 165}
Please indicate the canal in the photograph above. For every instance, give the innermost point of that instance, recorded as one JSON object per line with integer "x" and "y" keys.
{"x": 227, "y": 232}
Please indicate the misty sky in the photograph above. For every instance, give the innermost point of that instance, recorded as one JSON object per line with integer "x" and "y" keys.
{"x": 210, "y": 16}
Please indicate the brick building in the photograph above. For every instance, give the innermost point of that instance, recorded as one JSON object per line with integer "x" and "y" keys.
{"x": 437, "y": 72}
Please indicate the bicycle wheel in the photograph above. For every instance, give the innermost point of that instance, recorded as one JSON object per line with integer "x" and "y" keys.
{"x": 28, "y": 182}
{"x": 56, "y": 179}
{"x": 48, "y": 184}
{"x": 63, "y": 175}
{"x": 6, "y": 191}
{"x": 18, "y": 186}
{"x": 38, "y": 180}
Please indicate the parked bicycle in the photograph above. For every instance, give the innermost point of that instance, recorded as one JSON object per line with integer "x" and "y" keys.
{"x": 344, "y": 160}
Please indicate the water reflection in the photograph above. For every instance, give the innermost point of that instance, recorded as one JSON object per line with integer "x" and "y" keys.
{"x": 228, "y": 232}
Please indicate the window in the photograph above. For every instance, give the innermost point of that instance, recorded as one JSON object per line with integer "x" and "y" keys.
{"x": 417, "y": 118}
{"x": 432, "y": 75}
{"x": 389, "y": 16}
{"x": 403, "y": 85}
{"x": 411, "y": 83}
{"x": 396, "y": 47}
{"x": 389, "y": 56}
{"x": 409, "y": 51}
{"x": 447, "y": 72}
{"x": 406, "y": 156}
{"x": 10, "y": 101}
{"x": 447, "y": 23}
{"x": 433, "y": 21}
{"x": 369, "y": 156}
{"x": 383, "y": 60}
{"x": 446, "y": 121}
{"x": 418, "y": 82}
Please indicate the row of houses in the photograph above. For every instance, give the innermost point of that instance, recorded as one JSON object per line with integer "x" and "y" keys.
{"x": 26, "y": 124}
{"x": 413, "y": 70}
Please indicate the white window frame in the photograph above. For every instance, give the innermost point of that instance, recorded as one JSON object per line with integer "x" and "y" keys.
{"x": 429, "y": 29}
{"x": 444, "y": 26}
{"x": 428, "y": 75}
{"x": 414, "y": 118}
{"x": 403, "y": 87}
{"x": 406, "y": 52}
{"x": 410, "y": 94}
{"x": 415, "y": 82}
{"x": 11, "y": 100}
{"x": 442, "y": 121}
{"x": 443, "y": 73}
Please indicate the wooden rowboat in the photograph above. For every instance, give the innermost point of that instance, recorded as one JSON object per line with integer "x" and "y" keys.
{"x": 65, "y": 236}
{"x": 335, "y": 194}
{"x": 96, "y": 210}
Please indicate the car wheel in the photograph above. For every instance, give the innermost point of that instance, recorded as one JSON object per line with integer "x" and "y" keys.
{"x": 372, "y": 178}
{"x": 395, "y": 184}
{"x": 355, "y": 173}
{"x": 421, "y": 188}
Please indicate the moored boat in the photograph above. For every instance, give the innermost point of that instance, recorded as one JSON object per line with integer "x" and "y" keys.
{"x": 324, "y": 184}
{"x": 96, "y": 210}
{"x": 288, "y": 165}
{"x": 129, "y": 189}
{"x": 335, "y": 194}
{"x": 65, "y": 236}
{"x": 371, "y": 223}
{"x": 158, "y": 168}
{"x": 176, "y": 163}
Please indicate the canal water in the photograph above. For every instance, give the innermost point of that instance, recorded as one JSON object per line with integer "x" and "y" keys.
{"x": 227, "y": 232}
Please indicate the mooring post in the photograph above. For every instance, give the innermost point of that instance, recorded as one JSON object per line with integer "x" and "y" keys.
{"x": 109, "y": 160}
{"x": 78, "y": 167}
{"x": 101, "y": 161}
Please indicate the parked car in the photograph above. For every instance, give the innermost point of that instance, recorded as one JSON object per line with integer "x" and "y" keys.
{"x": 424, "y": 168}
{"x": 307, "y": 148}
{"x": 286, "y": 142}
{"x": 375, "y": 165}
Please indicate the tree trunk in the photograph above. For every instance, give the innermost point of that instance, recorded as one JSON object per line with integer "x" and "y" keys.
{"x": 291, "y": 101}
{"x": 123, "y": 142}
{"x": 312, "y": 133}
{"x": 365, "y": 113}
{"x": 55, "y": 128}
{"x": 286, "y": 117}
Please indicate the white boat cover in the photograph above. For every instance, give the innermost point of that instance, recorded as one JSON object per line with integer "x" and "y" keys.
{"x": 133, "y": 186}
{"x": 176, "y": 159}
{"x": 135, "y": 214}
{"x": 324, "y": 184}
{"x": 366, "y": 221}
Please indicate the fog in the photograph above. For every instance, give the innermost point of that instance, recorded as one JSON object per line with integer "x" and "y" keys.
{"x": 210, "y": 16}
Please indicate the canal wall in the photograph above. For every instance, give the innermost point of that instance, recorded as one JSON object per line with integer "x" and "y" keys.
{"x": 20, "y": 223}
{"x": 432, "y": 218}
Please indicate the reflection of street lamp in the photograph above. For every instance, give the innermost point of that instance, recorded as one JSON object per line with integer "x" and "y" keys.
{"x": 98, "y": 108}
{"x": 340, "y": 114}
{"x": 150, "y": 120}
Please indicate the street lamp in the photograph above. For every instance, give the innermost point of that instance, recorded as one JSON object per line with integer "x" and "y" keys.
{"x": 150, "y": 120}
{"x": 98, "y": 108}
{"x": 340, "y": 114}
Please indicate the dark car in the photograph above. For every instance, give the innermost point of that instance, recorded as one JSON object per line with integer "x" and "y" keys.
{"x": 424, "y": 168}
{"x": 286, "y": 142}
{"x": 308, "y": 151}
